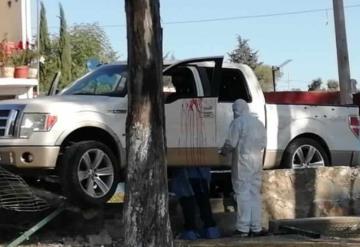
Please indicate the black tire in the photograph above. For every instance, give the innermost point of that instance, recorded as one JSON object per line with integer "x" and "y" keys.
{"x": 291, "y": 158}
{"x": 97, "y": 185}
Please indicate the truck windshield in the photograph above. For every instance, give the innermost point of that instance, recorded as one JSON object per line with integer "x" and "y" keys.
{"x": 107, "y": 80}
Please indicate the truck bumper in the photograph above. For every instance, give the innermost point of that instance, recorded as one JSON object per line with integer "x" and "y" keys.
{"x": 29, "y": 156}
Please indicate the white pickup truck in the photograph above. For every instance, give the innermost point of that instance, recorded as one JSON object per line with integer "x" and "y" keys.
{"x": 78, "y": 136}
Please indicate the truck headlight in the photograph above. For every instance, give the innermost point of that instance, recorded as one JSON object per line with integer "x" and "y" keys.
{"x": 36, "y": 122}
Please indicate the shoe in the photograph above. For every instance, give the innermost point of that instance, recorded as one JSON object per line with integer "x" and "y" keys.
{"x": 189, "y": 235}
{"x": 211, "y": 232}
{"x": 240, "y": 234}
{"x": 258, "y": 234}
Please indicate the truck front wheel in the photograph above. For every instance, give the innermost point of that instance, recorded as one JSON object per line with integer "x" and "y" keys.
{"x": 304, "y": 153}
{"x": 89, "y": 173}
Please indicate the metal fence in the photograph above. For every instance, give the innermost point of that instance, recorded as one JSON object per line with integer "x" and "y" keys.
{"x": 16, "y": 195}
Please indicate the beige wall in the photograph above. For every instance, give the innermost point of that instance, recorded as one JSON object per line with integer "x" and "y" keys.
{"x": 10, "y": 20}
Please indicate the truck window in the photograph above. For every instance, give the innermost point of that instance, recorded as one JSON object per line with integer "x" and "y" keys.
{"x": 233, "y": 86}
{"x": 206, "y": 74}
{"x": 106, "y": 80}
{"x": 183, "y": 84}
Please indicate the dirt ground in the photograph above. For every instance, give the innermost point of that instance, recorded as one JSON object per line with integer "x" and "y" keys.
{"x": 104, "y": 229}
{"x": 67, "y": 229}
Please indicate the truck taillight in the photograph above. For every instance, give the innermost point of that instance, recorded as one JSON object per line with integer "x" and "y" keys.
{"x": 354, "y": 124}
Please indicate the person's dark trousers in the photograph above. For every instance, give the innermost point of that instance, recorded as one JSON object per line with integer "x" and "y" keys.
{"x": 201, "y": 198}
{"x": 201, "y": 191}
{"x": 188, "y": 206}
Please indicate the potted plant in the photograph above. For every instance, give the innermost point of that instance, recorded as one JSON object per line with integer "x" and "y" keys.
{"x": 33, "y": 59}
{"x": 6, "y": 63}
{"x": 33, "y": 72}
{"x": 7, "y": 70}
{"x": 19, "y": 59}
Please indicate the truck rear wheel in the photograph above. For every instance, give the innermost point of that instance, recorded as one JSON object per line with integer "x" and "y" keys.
{"x": 89, "y": 173}
{"x": 304, "y": 153}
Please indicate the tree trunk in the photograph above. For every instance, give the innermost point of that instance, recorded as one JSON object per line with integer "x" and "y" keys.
{"x": 146, "y": 218}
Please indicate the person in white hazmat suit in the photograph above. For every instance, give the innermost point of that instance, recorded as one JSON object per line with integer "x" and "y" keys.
{"x": 246, "y": 139}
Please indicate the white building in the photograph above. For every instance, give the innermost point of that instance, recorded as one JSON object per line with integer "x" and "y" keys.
{"x": 15, "y": 20}
{"x": 15, "y": 26}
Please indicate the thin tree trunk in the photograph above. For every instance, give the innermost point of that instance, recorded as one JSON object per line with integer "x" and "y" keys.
{"x": 146, "y": 218}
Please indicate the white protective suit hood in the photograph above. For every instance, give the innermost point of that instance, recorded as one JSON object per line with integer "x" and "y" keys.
{"x": 240, "y": 108}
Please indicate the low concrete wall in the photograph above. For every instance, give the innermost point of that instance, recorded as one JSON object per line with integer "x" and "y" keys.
{"x": 291, "y": 194}
{"x": 328, "y": 191}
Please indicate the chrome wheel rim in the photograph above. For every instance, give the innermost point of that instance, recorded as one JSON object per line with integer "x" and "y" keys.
{"x": 307, "y": 156}
{"x": 95, "y": 173}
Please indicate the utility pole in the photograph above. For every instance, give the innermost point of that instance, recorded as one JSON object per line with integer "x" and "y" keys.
{"x": 275, "y": 69}
{"x": 342, "y": 53}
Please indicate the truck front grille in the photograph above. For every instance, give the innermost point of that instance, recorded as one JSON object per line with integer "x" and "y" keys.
{"x": 7, "y": 123}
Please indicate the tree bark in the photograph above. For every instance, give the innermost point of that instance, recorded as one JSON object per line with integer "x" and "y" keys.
{"x": 146, "y": 218}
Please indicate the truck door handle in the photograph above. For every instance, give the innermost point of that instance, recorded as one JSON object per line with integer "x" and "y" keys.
{"x": 119, "y": 111}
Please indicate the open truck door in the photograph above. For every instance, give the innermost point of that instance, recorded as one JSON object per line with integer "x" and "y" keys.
{"x": 190, "y": 110}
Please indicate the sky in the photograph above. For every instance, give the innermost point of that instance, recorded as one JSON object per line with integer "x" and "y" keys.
{"x": 308, "y": 39}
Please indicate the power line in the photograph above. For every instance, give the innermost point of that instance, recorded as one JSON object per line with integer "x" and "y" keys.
{"x": 300, "y": 12}
{"x": 258, "y": 16}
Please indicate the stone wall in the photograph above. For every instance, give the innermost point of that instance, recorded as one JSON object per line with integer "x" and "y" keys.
{"x": 290, "y": 194}
{"x": 328, "y": 191}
